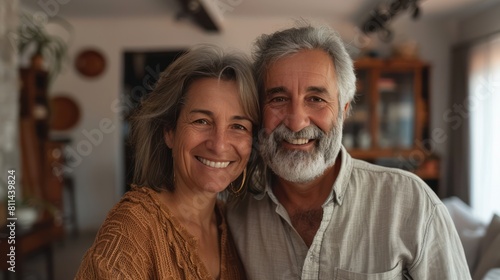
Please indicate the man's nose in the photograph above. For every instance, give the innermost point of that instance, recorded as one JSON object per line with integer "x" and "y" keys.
{"x": 297, "y": 117}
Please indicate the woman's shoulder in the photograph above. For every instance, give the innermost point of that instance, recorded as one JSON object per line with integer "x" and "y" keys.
{"x": 126, "y": 240}
{"x": 138, "y": 208}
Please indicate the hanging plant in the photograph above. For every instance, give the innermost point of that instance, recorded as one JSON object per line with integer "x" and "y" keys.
{"x": 46, "y": 49}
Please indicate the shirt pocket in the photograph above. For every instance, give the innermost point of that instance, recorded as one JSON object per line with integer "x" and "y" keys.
{"x": 395, "y": 273}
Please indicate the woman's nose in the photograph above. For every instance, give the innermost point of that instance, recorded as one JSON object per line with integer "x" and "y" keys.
{"x": 218, "y": 140}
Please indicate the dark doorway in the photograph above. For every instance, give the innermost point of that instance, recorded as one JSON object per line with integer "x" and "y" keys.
{"x": 140, "y": 72}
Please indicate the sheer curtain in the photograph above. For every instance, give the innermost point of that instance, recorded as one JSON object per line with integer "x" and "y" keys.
{"x": 483, "y": 104}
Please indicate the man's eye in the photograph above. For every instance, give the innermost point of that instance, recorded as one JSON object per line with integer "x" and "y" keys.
{"x": 316, "y": 99}
{"x": 277, "y": 99}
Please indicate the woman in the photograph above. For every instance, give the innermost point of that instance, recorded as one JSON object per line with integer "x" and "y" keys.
{"x": 193, "y": 138}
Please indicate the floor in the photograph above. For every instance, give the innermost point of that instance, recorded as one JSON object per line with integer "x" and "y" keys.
{"x": 67, "y": 256}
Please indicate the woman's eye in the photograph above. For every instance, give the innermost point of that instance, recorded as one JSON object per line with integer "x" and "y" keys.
{"x": 201, "y": 121}
{"x": 239, "y": 126}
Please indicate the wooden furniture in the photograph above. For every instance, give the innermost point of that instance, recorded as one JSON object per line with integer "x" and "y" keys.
{"x": 35, "y": 240}
{"x": 33, "y": 129}
{"x": 53, "y": 174}
{"x": 40, "y": 185}
{"x": 389, "y": 124}
{"x": 39, "y": 155}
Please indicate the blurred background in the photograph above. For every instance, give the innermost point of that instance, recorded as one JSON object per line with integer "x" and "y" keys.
{"x": 72, "y": 71}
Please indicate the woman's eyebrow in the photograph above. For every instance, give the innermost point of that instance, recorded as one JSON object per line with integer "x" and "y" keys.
{"x": 201, "y": 111}
{"x": 211, "y": 114}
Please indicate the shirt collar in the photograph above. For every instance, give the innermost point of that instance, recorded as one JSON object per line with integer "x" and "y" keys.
{"x": 341, "y": 183}
{"x": 339, "y": 186}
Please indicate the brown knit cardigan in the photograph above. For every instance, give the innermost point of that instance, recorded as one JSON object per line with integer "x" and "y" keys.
{"x": 142, "y": 240}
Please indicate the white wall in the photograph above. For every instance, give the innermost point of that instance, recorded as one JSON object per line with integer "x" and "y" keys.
{"x": 99, "y": 175}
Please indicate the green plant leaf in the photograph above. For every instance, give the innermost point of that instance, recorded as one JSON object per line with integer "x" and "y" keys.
{"x": 53, "y": 48}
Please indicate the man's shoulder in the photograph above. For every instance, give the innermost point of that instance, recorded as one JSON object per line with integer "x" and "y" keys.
{"x": 251, "y": 206}
{"x": 392, "y": 180}
{"x": 379, "y": 172}
{"x": 235, "y": 204}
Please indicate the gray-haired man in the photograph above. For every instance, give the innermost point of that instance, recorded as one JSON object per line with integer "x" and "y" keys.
{"x": 321, "y": 214}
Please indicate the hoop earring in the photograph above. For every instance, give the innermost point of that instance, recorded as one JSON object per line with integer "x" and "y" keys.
{"x": 238, "y": 191}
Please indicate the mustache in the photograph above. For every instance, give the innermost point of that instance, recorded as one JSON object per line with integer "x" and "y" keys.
{"x": 281, "y": 133}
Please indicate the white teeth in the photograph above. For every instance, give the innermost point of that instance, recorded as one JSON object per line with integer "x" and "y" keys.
{"x": 300, "y": 141}
{"x": 214, "y": 164}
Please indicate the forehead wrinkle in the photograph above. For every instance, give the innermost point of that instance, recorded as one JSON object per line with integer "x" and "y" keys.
{"x": 301, "y": 69}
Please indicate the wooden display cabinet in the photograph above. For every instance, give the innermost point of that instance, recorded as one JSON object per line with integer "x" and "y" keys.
{"x": 39, "y": 182}
{"x": 39, "y": 154}
{"x": 390, "y": 115}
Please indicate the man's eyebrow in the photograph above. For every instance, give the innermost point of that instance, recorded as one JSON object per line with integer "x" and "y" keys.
{"x": 274, "y": 90}
{"x": 317, "y": 89}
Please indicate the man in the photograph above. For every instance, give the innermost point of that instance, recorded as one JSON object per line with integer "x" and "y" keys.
{"x": 321, "y": 214}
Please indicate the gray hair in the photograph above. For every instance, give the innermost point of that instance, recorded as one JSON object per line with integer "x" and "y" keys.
{"x": 161, "y": 109}
{"x": 269, "y": 48}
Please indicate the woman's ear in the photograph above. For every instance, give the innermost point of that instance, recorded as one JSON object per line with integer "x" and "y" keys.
{"x": 168, "y": 136}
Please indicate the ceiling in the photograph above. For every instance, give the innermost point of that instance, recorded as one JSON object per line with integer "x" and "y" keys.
{"x": 346, "y": 9}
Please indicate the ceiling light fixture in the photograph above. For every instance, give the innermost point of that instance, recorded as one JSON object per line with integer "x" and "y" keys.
{"x": 204, "y": 12}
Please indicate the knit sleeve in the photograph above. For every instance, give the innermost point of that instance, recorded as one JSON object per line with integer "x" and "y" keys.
{"x": 122, "y": 247}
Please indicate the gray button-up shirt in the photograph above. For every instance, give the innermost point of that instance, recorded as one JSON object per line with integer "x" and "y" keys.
{"x": 378, "y": 223}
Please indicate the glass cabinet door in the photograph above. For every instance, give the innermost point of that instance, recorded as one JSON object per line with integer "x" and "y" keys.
{"x": 356, "y": 134}
{"x": 396, "y": 110}
{"x": 390, "y": 114}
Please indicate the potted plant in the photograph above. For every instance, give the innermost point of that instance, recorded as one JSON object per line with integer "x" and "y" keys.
{"x": 50, "y": 50}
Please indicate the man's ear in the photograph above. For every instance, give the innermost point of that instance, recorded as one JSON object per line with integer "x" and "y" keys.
{"x": 346, "y": 109}
{"x": 168, "y": 136}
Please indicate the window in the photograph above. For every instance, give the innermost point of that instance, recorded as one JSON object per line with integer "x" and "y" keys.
{"x": 484, "y": 109}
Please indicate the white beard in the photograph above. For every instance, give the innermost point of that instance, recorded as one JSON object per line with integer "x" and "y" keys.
{"x": 296, "y": 165}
